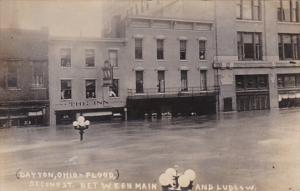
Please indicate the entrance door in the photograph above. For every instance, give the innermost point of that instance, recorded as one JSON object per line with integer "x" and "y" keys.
{"x": 161, "y": 81}
{"x": 139, "y": 83}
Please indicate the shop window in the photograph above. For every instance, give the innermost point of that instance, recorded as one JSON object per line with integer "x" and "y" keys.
{"x": 160, "y": 49}
{"x": 90, "y": 58}
{"x": 202, "y": 49}
{"x": 65, "y": 59}
{"x": 12, "y": 76}
{"x": 138, "y": 48}
{"x": 239, "y": 82}
{"x": 280, "y": 81}
{"x": 66, "y": 89}
{"x": 182, "y": 44}
{"x": 90, "y": 88}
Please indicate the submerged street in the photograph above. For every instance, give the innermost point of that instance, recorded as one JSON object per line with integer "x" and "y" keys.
{"x": 259, "y": 148}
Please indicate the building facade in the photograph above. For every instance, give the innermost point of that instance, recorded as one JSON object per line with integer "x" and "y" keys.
{"x": 24, "y": 77}
{"x": 183, "y": 58}
{"x": 76, "y": 80}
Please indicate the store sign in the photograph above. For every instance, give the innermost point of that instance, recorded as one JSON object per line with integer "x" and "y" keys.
{"x": 87, "y": 103}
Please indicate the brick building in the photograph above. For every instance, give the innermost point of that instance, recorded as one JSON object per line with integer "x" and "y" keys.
{"x": 24, "y": 77}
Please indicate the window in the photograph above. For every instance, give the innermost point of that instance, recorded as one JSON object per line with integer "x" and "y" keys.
{"x": 90, "y": 58}
{"x": 184, "y": 80}
{"x": 288, "y": 80}
{"x": 90, "y": 88}
{"x": 66, "y": 89}
{"x": 288, "y": 10}
{"x": 12, "y": 75}
{"x": 289, "y": 46}
{"x": 182, "y": 49}
{"x": 249, "y": 46}
{"x": 202, "y": 49}
{"x": 37, "y": 75}
{"x": 114, "y": 89}
{"x": 251, "y": 82}
{"x": 138, "y": 48}
{"x": 248, "y": 9}
{"x": 160, "y": 49}
{"x": 203, "y": 79}
{"x": 161, "y": 81}
{"x": 113, "y": 57}
{"x": 65, "y": 59}
{"x": 139, "y": 82}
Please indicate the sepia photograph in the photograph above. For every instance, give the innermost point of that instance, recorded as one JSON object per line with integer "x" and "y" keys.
{"x": 150, "y": 95}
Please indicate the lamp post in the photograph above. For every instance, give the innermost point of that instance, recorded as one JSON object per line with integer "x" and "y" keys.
{"x": 171, "y": 180}
{"x": 81, "y": 124}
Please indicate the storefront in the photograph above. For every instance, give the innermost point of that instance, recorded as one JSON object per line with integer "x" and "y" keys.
{"x": 11, "y": 116}
{"x": 252, "y": 92}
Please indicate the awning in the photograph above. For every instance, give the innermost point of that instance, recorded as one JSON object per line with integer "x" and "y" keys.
{"x": 37, "y": 113}
{"x": 94, "y": 114}
{"x": 297, "y": 95}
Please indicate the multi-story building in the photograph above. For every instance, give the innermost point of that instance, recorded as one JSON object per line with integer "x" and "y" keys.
{"x": 24, "y": 77}
{"x": 258, "y": 54}
{"x": 76, "y": 80}
{"x": 184, "y": 57}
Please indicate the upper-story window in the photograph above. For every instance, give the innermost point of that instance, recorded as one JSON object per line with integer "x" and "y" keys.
{"x": 248, "y": 9}
{"x": 160, "y": 49}
{"x": 90, "y": 58}
{"x": 249, "y": 46}
{"x": 202, "y": 49}
{"x": 65, "y": 57}
{"x": 288, "y": 10}
{"x": 289, "y": 46}
{"x": 66, "y": 89}
{"x": 138, "y": 48}
{"x": 182, "y": 44}
{"x": 12, "y": 76}
{"x": 90, "y": 89}
{"x": 113, "y": 57}
{"x": 38, "y": 75}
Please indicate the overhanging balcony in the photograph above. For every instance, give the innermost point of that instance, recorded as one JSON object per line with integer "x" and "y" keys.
{"x": 150, "y": 93}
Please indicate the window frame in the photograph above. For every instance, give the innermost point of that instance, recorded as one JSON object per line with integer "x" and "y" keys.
{"x": 91, "y": 56}
{"x": 160, "y": 53}
{"x": 240, "y": 6}
{"x": 138, "y": 50}
{"x": 182, "y": 49}
{"x": 202, "y": 49}
{"x": 42, "y": 68}
{"x": 95, "y": 89}
{"x": 257, "y": 47}
{"x": 68, "y": 57}
{"x": 295, "y": 46}
{"x": 61, "y": 98}
{"x": 16, "y": 77}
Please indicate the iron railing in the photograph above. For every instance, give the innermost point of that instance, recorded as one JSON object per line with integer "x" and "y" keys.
{"x": 172, "y": 92}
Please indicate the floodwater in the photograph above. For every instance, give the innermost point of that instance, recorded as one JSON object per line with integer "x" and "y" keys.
{"x": 227, "y": 152}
